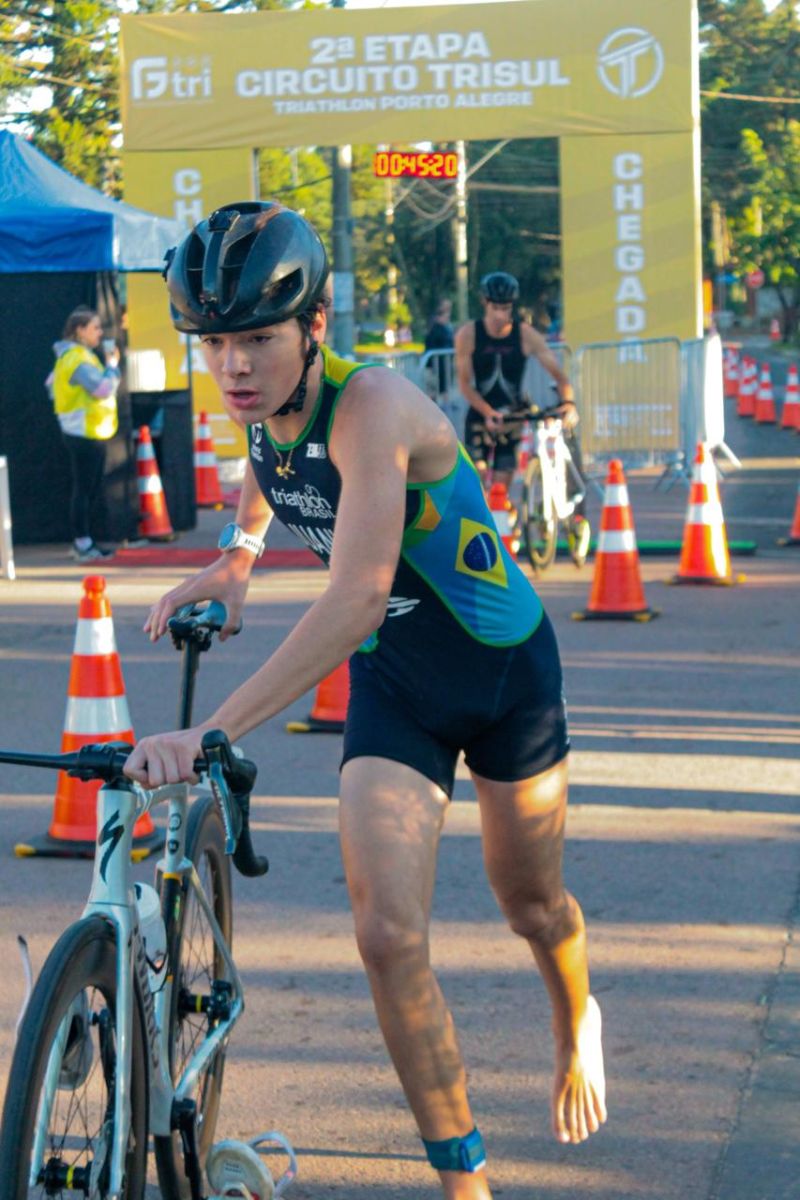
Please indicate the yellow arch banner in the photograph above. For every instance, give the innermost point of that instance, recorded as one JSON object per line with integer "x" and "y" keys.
{"x": 616, "y": 81}
{"x": 324, "y": 77}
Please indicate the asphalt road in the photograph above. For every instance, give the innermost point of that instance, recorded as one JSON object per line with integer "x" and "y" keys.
{"x": 683, "y": 849}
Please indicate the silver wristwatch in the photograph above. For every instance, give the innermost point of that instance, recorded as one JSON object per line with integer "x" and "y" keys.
{"x": 233, "y": 537}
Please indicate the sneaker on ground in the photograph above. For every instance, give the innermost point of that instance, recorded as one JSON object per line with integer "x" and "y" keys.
{"x": 91, "y": 553}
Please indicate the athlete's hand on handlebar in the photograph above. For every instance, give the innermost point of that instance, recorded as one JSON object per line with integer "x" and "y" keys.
{"x": 494, "y": 422}
{"x": 224, "y": 580}
{"x": 167, "y": 757}
{"x": 568, "y": 414}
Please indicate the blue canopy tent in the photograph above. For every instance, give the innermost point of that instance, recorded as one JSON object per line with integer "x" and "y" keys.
{"x": 61, "y": 244}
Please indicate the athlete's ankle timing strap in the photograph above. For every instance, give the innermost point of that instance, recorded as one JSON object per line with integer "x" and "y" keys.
{"x": 457, "y": 1154}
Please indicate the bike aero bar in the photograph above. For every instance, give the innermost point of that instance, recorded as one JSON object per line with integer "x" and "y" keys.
{"x": 231, "y": 780}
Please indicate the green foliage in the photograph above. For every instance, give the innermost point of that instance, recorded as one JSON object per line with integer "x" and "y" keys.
{"x": 69, "y": 47}
{"x": 751, "y": 148}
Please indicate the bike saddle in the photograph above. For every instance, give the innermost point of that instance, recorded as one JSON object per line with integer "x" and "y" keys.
{"x": 198, "y": 623}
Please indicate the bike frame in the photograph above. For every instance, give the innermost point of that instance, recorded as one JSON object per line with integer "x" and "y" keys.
{"x": 112, "y": 897}
{"x": 555, "y": 461}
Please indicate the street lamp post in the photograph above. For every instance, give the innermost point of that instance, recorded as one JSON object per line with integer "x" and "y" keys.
{"x": 343, "y": 278}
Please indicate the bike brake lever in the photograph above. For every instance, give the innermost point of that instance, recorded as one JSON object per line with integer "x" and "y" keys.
{"x": 221, "y": 793}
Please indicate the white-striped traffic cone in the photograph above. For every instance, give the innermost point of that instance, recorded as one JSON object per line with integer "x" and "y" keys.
{"x": 208, "y": 492}
{"x": 617, "y": 592}
{"x": 97, "y": 711}
{"x": 765, "y": 401}
{"x": 746, "y": 400}
{"x": 790, "y": 417}
{"x": 502, "y": 512}
{"x": 704, "y": 554}
{"x": 154, "y": 522}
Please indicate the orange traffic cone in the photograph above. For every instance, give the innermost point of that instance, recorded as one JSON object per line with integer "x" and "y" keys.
{"x": 765, "y": 401}
{"x": 330, "y": 705}
{"x": 774, "y": 330}
{"x": 794, "y": 533}
{"x": 504, "y": 516}
{"x": 731, "y": 373}
{"x": 704, "y": 556}
{"x": 790, "y": 417}
{"x": 154, "y": 519}
{"x": 206, "y": 477}
{"x": 746, "y": 400}
{"x": 526, "y": 446}
{"x": 97, "y": 711}
{"x": 617, "y": 591}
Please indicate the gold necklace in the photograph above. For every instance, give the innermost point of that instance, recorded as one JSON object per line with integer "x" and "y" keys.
{"x": 283, "y": 469}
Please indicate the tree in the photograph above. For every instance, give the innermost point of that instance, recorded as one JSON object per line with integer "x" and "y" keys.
{"x": 67, "y": 47}
{"x": 71, "y": 48}
{"x": 750, "y": 160}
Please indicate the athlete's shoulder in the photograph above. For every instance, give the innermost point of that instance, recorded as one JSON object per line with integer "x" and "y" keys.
{"x": 532, "y": 341}
{"x": 465, "y": 335}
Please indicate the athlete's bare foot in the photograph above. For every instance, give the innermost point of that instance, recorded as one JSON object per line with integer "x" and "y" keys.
{"x": 579, "y": 1087}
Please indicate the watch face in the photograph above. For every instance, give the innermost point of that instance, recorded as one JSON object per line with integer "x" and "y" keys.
{"x": 227, "y": 537}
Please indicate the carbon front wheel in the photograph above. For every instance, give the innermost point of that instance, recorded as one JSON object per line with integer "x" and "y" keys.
{"x": 539, "y": 524}
{"x": 198, "y": 971}
{"x": 60, "y": 1100}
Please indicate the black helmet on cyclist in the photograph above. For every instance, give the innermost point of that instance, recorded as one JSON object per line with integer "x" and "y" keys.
{"x": 498, "y": 287}
{"x": 247, "y": 265}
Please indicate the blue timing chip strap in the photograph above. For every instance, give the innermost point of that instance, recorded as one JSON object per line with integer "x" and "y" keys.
{"x": 457, "y": 1154}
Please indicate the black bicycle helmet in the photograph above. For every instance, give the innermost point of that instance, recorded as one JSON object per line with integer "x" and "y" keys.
{"x": 247, "y": 265}
{"x": 498, "y": 287}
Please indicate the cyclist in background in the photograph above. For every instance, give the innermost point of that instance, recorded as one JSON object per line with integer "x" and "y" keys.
{"x": 449, "y": 649}
{"x": 491, "y": 355}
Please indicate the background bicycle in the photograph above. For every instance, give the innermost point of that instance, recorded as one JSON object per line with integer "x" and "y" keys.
{"x": 553, "y": 490}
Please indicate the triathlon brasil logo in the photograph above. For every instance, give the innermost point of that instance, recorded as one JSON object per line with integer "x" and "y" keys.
{"x": 630, "y": 62}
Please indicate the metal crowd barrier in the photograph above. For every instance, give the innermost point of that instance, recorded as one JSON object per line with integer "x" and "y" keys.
{"x": 6, "y": 545}
{"x": 703, "y": 398}
{"x": 648, "y": 401}
{"x": 437, "y": 370}
{"x": 629, "y": 398}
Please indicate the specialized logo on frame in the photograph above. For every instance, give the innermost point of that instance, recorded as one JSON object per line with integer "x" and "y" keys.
{"x": 630, "y": 62}
{"x": 158, "y": 78}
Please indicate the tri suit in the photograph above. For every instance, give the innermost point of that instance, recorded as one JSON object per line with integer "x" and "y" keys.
{"x": 498, "y": 364}
{"x": 465, "y": 658}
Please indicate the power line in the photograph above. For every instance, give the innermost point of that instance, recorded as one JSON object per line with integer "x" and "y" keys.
{"x": 34, "y": 69}
{"x": 752, "y": 99}
{"x": 47, "y": 29}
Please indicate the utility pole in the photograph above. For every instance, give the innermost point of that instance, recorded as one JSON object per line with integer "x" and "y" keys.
{"x": 388, "y": 212}
{"x": 343, "y": 279}
{"x": 462, "y": 273}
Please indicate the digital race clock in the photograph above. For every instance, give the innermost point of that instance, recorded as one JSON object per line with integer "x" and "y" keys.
{"x": 422, "y": 164}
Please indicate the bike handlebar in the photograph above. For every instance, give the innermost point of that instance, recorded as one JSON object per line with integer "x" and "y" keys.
{"x": 532, "y": 414}
{"x": 231, "y": 780}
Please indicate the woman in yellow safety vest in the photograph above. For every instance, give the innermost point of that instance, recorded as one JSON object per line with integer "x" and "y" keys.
{"x": 85, "y": 399}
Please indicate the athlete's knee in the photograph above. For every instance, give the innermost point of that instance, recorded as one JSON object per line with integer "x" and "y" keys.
{"x": 547, "y": 921}
{"x": 386, "y": 942}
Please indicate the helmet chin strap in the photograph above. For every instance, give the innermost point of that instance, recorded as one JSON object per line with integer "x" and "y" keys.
{"x": 298, "y": 397}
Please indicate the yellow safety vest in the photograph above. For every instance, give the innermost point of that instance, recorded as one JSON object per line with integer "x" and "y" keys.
{"x": 79, "y": 412}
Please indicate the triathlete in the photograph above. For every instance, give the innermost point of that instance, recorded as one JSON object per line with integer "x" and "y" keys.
{"x": 491, "y": 355}
{"x": 449, "y": 649}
